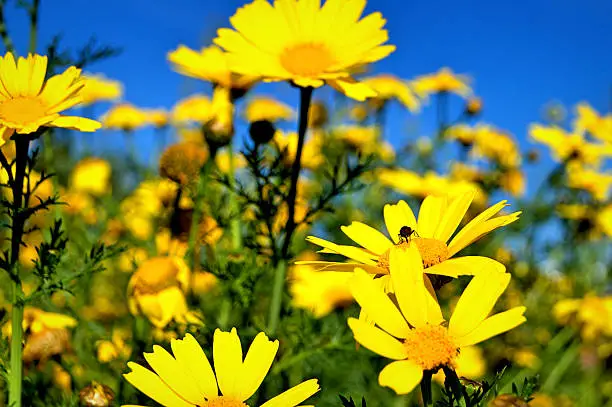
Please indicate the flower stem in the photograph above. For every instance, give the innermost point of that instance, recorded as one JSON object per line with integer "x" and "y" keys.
{"x": 22, "y": 145}
{"x": 33, "y": 25}
{"x": 235, "y": 222}
{"x": 6, "y": 38}
{"x": 197, "y": 215}
{"x": 426, "y": 389}
{"x": 281, "y": 267}
{"x": 457, "y": 388}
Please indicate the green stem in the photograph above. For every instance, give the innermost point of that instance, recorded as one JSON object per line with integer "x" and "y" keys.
{"x": 34, "y": 25}
{"x": 456, "y": 386}
{"x": 235, "y": 222}
{"x": 281, "y": 267}
{"x": 561, "y": 368}
{"x": 22, "y": 145}
{"x": 277, "y": 296}
{"x": 197, "y": 214}
{"x": 426, "y": 389}
{"x": 6, "y": 38}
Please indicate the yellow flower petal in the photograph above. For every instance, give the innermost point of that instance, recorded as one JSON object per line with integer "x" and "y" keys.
{"x": 351, "y": 252}
{"x": 150, "y": 384}
{"x": 494, "y": 325}
{"x": 294, "y": 395}
{"x": 414, "y": 299}
{"x": 397, "y": 216}
{"x": 466, "y": 266}
{"x": 76, "y": 123}
{"x": 256, "y": 365}
{"x": 376, "y": 340}
{"x": 227, "y": 355}
{"x": 351, "y": 88}
{"x": 430, "y": 213}
{"x": 402, "y": 376}
{"x": 377, "y": 304}
{"x": 476, "y": 302}
{"x": 452, "y": 216}
{"x": 337, "y": 266}
{"x": 171, "y": 372}
{"x": 192, "y": 359}
{"x": 367, "y": 237}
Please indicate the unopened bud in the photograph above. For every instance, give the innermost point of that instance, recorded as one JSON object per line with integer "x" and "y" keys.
{"x": 262, "y": 131}
{"x": 473, "y": 107}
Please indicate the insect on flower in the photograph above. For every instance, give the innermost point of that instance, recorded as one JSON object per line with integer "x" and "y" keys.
{"x": 405, "y": 233}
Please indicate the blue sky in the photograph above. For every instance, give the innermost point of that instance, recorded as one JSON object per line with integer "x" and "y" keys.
{"x": 521, "y": 54}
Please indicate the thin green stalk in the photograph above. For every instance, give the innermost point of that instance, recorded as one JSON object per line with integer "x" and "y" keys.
{"x": 457, "y": 387}
{"x": 22, "y": 145}
{"x": 235, "y": 222}
{"x": 6, "y": 38}
{"x": 281, "y": 267}
{"x": 426, "y": 389}
{"x": 197, "y": 214}
{"x": 563, "y": 364}
{"x": 34, "y": 25}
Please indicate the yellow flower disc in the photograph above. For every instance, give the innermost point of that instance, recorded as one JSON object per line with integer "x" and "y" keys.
{"x": 430, "y": 347}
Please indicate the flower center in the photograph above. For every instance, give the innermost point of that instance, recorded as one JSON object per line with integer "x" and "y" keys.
{"x": 307, "y": 60}
{"x": 433, "y": 251}
{"x": 431, "y": 347}
{"x": 224, "y": 401}
{"x": 22, "y": 110}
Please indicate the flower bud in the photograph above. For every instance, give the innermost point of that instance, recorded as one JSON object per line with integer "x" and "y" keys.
{"x": 473, "y": 107}
{"x": 262, "y": 131}
{"x": 181, "y": 162}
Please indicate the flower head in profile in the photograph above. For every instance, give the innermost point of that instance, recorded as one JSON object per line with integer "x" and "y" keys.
{"x": 196, "y": 108}
{"x": 126, "y": 117}
{"x": 306, "y": 43}
{"x": 264, "y": 108}
{"x": 98, "y": 89}
{"x": 438, "y": 220}
{"x": 157, "y": 117}
{"x": 92, "y": 176}
{"x": 28, "y": 102}
{"x": 414, "y": 333}
{"x": 186, "y": 377}
{"x": 443, "y": 81}
{"x": 209, "y": 64}
{"x": 389, "y": 87}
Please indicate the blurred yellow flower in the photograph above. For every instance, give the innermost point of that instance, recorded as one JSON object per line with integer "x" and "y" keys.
{"x": 438, "y": 220}
{"x": 594, "y": 182}
{"x": 124, "y": 116}
{"x": 186, "y": 378}
{"x": 28, "y": 102}
{"x": 157, "y": 117}
{"x": 157, "y": 291}
{"x": 513, "y": 182}
{"x": 588, "y": 120}
{"x": 282, "y": 42}
{"x": 223, "y": 161}
{"x": 412, "y": 330}
{"x": 463, "y": 133}
{"x": 318, "y": 116}
{"x": 592, "y": 314}
{"x": 389, "y": 87}
{"x": 195, "y": 108}
{"x": 131, "y": 258}
{"x": 466, "y": 172}
{"x": 445, "y": 80}
{"x": 568, "y": 147}
{"x": 81, "y": 204}
{"x": 319, "y": 292}
{"x": 311, "y": 154}
{"x": 182, "y": 162}
{"x": 265, "y": 108}
{"x": 91, "y": 175}
{"x": 203, "y": 282}
{"x": 365, "y": 139}
{"x": 209, "y": 64}
{"x": 497, "y": 145}
{"x": 413, "y": 184}
{"x": 116, "y": 348}
{"x": 98, "y": 88}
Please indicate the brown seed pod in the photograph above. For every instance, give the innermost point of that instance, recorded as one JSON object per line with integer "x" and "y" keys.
{"x": 182, "y": 162}
{"x": 96, "y": 395}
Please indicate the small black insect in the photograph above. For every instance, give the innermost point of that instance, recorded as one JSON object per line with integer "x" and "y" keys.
{"x": 406, "y": 232}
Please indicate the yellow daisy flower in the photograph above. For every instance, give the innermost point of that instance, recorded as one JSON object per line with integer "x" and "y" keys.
{"x": 445, "y": 80}
{"x": 299, "y": 41}
{"x": 589, "y": 120}
{"x": 263, "y": 108}
{"x": 496, "y": 145}
{"x": 413, "y": 184}
{"x": 311, "y": 155}
{"x": 157, "y": 117}
{"x": 594, "y": 182}
{"x": 592, "y": 314}
{"x": 92, "y": 176}
{"x": 210, "y": 64}
{"x": 98, "y": 88}
{"x": 124, "y": 116}
{"x": 438, "y": 219}
{"x": 365, "y": 139}
{"x": 390, "y": 87}
{"x": 570, "y": 146}
{"x": 186, "y": 378}
{"x": 195, "y": 108}
{"x": 414, "y": 333}
{"x": 28, "y": 102}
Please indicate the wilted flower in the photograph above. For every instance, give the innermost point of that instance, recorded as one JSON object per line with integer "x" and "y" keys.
{"x": 96, "y": 395}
